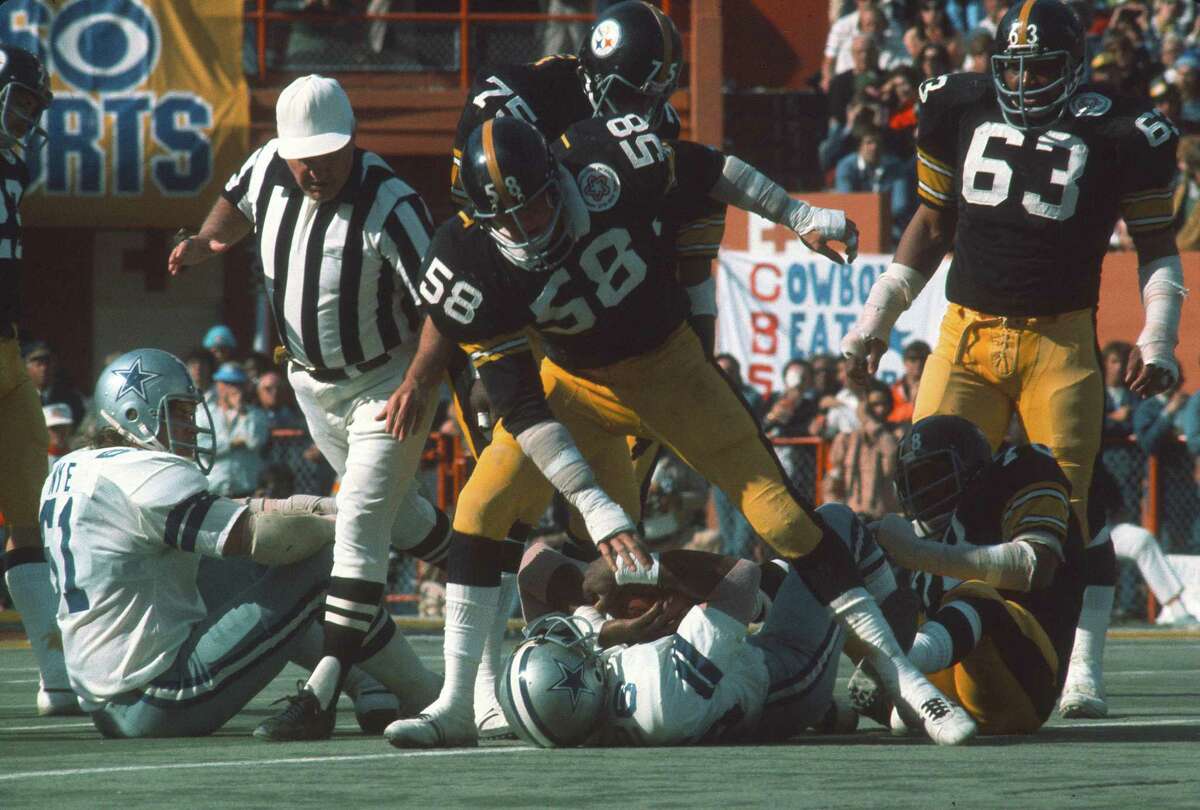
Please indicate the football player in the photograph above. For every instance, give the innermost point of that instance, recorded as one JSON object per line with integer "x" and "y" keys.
{"x": 1024, "y": 172}
{"x": 998, "y": 568}
{"x": 630, "y": 63}
{"x": 24, "y": 96}
{"x": 568, "y": 244}
{"x": 150, "y": 650}
{"x": 685, "y": 670}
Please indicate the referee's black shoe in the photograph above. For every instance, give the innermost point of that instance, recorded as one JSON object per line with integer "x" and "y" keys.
{"x": 303, "y": 719}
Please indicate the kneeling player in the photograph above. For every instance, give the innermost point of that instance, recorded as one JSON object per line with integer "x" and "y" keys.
{"x": 125, "y": 523}
{"x": 1001, "y": 578}
{"x": 682, "y": 669}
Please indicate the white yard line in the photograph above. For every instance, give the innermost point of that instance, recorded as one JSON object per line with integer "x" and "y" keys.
{"x": 259, "y": 763}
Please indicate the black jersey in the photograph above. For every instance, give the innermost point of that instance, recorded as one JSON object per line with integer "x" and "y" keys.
{"x": 1036, "y": 209}
{"x": 547, "y": 93}
{"x": 1022, "y": 490}
{"x": 616, "y": 295}
{"x": 14, "y": 178}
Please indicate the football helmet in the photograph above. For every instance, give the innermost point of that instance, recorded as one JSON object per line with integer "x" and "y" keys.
{"x": 1037, "y": 37}
{"x": 516, "y": 190}
{"x": 630, "y": 61}
{"x": 553, "y": 684}
{"x": 19, "y": 123}
{"x": 938, "y": 458}
{"x": 148, "y": 397}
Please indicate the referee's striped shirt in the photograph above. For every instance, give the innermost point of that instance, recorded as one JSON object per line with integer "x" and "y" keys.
{"x": 340, "y": 273}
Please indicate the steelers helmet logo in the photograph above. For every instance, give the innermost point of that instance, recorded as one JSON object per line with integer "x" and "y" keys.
{"x": 605, "y": 38}
{"x": 599, "y": 186}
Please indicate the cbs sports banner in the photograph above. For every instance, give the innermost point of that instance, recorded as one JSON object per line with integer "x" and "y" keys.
{"x": 775, "y": 305}
{"x": 150, "y": 108}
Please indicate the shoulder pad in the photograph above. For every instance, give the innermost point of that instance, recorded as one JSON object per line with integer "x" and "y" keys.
{"x": 609, "y": 166}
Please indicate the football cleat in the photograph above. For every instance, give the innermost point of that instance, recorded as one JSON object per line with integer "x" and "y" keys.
{"x": 441, "y": 730}
{"x": 375, "y": 708}
{"x": 867, "y": 697}
{"x": 303, "y": 719}
{"x": 58, "y": 703}
{"x": 1083, "y": 700}
{"x": 944, "y": 722}
{"x": 492, "y": 724}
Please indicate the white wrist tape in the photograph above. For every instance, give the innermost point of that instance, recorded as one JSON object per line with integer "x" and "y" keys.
{"x": 1005, "y": 565}
{"x": 703, "y": 297}
{"x": 1162, "y": 287}
{"x": 891, "y": 294}
{"x": 553, "y": 450}
{"x": 745, "y": 187}
{"x": 638, "y": 575}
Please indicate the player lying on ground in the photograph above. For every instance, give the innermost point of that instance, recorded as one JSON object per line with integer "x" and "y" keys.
{"x": 999, "y": 572}
{"x": 678, "y": 665}
{"x": 126, "y": 523}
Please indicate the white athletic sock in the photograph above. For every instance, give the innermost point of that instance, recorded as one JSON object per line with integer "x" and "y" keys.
{"x": 1132, "y": 542}
{"x": 323, "y": 681}
{"x": 881, "y": 582}
{"x": 400, "y": 670}
{"x": 933, "y": 649}
{"x": 860, "y": 614}
{"x": 35, "y": 599}
{"x": 490, "y": 663}
{"x": 1087, "y": 656}
{"x": 470, "y": 611}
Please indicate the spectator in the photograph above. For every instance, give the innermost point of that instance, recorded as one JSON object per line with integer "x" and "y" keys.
{"x": 934, "y": 61}
{"x": 1187, "y": 68}
{"x": 839, "y": 412}
{"x": 838, "y": 58}
{"x": 61, "y": 428}
{"x": 863, "y": 77}
{"x": 221, "y": 343}
{"x": 52, "y": 385}
{"x": 241, "y": 432}
{"x": 862, "y": 463}
{"x": 200, "y": 368}
{"x": 864, "y": 111}
{"x": 732, "y": 370}
{"x": 1132, "y": 68}
{"x": 1166, "y": 98}
{"x": 904, "y": 392}
{"x": 1172, "y": 48}
{"x": 795, "y": 406}
{"x": 992, "y": 12}
{"x": 869, "y": 169}
{"x": 1158, "y": 424}
{"x": 899, "y": 95}
{"x": 312, "y": 473}
{"x": 1164, "y": 25}
{"x": 272, "y": 392}
{"x": 874, "y": 22}
{"x": 1119, "y": 401}
{"x": 1187, "y": 195}
{"x": 933, "y": 26}
{"x": 257, "y": 364}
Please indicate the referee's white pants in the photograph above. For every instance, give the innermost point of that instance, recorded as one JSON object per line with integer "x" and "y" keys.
{"x": 377, "y": 472}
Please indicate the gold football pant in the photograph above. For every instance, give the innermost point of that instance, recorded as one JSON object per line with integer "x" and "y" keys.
{"x": 1009, "y": 683}
{"x": 673, "y": 395}
{"x": 986, "y": 367}
{"x": 24, "y": 441}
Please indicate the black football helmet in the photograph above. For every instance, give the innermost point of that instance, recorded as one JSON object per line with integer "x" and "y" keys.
{"x": 630, "y": 61}
{"x": 515, "y": 187}
{"x": 21, "y": 71}
{"x": 1037, "y": 36}
{"x": 939, "y": 457}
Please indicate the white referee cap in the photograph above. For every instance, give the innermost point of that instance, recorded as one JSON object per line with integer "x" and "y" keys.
{"x": 313, "y": 117}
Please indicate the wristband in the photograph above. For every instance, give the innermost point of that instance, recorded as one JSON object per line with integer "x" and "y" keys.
{"x": 638, "y": 575}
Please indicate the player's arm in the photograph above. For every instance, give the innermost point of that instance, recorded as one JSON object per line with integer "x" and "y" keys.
{"x": 229, "y": 221}
{"x": 726, "y": 583}
{"x": 510, "y": 376}
{"x": 406, "y": 406}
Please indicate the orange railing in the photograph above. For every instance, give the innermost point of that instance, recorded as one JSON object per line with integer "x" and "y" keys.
{"x": 259, "y": 16}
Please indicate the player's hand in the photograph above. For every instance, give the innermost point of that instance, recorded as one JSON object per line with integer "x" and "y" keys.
{"x": 862, "y": 355}
{"x": 599, "y": 583}
{"x": 404, "y": 409}
{"x": 628, "y": 547}
{"x": 652, "y": 624}
{"x": 1149, "y": 379}
{"x": 895, "y": 535}
{"x": 193, "y": 250}
{"x": 818, "y": 241}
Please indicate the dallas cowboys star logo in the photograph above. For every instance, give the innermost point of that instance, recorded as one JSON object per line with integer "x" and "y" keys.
{"x": 135, "y": 379}
{"x": 571, "y": 681}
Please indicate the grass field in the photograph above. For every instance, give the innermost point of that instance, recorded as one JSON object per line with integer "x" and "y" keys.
{"x": 1146, "y": 754}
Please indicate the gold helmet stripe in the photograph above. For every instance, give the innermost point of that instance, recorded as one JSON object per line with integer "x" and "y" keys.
{"x": 493, "y": 165}
{"x": 1023, "y": 19}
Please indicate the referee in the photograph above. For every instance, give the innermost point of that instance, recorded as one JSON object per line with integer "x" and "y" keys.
{"x": 341, "y": 239}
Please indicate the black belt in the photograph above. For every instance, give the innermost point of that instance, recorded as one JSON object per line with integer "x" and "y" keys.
{"x": 327, "y": 375}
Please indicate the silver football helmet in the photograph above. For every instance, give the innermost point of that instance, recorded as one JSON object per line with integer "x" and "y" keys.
{"x": 552, "y": 689}
{"x": 148, "y": 397}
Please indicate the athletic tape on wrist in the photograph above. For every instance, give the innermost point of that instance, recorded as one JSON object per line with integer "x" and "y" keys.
{"x": 638, "y": 575}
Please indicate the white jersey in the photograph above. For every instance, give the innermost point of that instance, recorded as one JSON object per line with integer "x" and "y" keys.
{"x": 701, "y": 683}
{"x": 123, "y": 528}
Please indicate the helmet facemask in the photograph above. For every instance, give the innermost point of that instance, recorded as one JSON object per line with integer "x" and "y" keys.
{"x": 1035, "y": 107}
{"x": 34, "y": 137}
{"x": 929, "y": 486}
{"x": 616, "y": 95}
{"x": 532, "y": 233}
{"x": 182, "y": 425}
